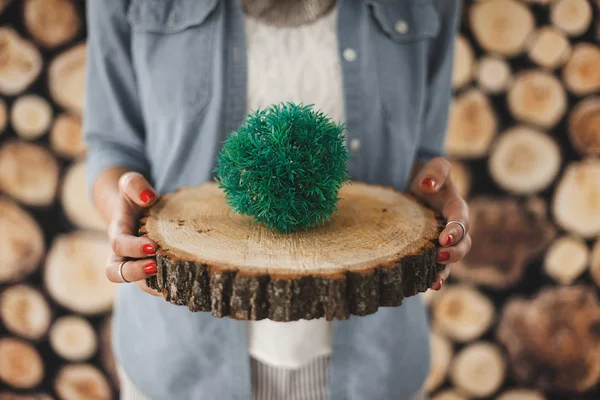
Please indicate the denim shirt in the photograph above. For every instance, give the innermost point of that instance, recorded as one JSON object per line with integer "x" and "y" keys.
{"x": 166, "y": 83}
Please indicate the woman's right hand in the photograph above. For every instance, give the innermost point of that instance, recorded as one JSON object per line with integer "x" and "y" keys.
{"x": 136, "y": 254}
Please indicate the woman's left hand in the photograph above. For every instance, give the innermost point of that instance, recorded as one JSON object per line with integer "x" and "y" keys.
{"x": 433, "y": 185}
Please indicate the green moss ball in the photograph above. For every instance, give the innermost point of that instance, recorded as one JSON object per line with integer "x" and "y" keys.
{"x": 284, "y": 167}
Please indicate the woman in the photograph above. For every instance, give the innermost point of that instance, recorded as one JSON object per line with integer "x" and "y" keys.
{"x": 168, "y": 80}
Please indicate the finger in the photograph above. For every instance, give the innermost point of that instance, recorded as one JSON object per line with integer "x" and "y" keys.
{"x": 432, "y": 177}
{"x": 136, "y": 189}
{"x": 454, "y": 209}
{"x": 442, "y": 277}
{"x": 452, "y": 254}
{"x": 124, "y": 243}
{"x": 142, "y": 285}
{"x": 133, "y": 270}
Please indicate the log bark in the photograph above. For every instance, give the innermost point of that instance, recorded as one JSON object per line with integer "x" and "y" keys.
{"x": 212, "y": 260}
{"x": 21, "y": 242}
{"x": 21, "y": 62}
{"x": 81, "y": 382}
{"x": 553, "y": 340}
{"x": 20, "y": 364}
{"x": 28, "y": 173}
{"x": 572, "y": 16}
{"x": 524, "y": 160}
{"x": 73, "y": 338}
{"x": 566, "y": 259}
{"x": 51, "y": 22}
{"x": 575, "y": 206}
{"x": 472, "y": 126}
{"x": 478, "y": 369}
{"x": 581, "y": 74}
{"x": 3, "y": 116}
{"x": 595, "y": 263}
{"x": 462, "y": 313}
{"x": 441, "y": 354}
{"x": 506, "y": 236}
{"x": 25, "y": 312}
{"x": 31, "y": 116}
{"x": 521, "y": 394}
{"x": 549, "y": 47}
{"x": 537, "y": 97}
{"x": 461, "y": 176}
{"x": 66, "y": 78}
{"x": 76, "y": 202}
{"x": 107, "y": 359}
{"x": 449, "y": 394}
{"x": 74, "y": 273}
{"x": 584, "y": 126}
{"x": 501, "y": 26}
{"x": 66, "y": 136}
{"x": 493, "y": 74}
{"x": 462, "y": 71}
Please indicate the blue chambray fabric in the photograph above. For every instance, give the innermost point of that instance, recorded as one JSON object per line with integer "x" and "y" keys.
{"x": 166, "y": 83}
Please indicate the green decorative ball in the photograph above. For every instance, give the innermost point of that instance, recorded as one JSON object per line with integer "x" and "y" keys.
{"x": 284, "y": 167}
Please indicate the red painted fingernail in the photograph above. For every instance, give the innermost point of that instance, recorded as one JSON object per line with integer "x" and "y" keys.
{"x": 444, "y": 256}
{"x": 150, "y": 268}
{"x": 450, "y": 240}
{"x": 428, "y": 182}
{"x": 148, "y": 249}
{"x": 147, "y": 195}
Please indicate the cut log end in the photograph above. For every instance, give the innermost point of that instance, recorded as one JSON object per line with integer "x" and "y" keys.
{"x": 73, "y": 338}
{"x": 66, "y": 137}
{"x": 82, "y": 382}
{"x": 524, "y": 160}
{"x": 21, "y": 62}
{"x": 441, "y": 354}
{"x": 20, "y": 364}
{"x": 25, "y": 312}
{"x": 472, "y": 125}
{"x": 566, "y": 259}
{"x": 17, "y": 396}
{"x": 66, "y": 78}
{"x": 549, "y": 47}
{"x": 572, "y": 16}
{"x": 28, "y": 173}
{"x": 74, "y": 273}
{"x": 462, "y": 70}
{"x": 478, "y": 369}
{"x": 212, "y": 260}
{"x": 595, "y": 263}
{"x": 581, "y": 74}
{"x": 449, "y": 394}
{"x": 584, "y": 126}
{"x": 553, "y": 341}
{"x": 575, "y": 206}
{"x": 21, "y": 242}
{"x": 51, "y": 22}
{"x": 31, "y": 116}
{"x": 493, "y": 74}
{"x": 521, "y": 394}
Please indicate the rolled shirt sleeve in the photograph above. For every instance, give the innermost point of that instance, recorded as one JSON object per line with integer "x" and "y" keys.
{"x": 113, "y": 127}
{"x": 439, "y": 88}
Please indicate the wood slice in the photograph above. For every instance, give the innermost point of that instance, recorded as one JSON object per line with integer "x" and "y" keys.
{"x": 3, "y": 116}
{"x": 549, "y": 47}
{"x": 28, "y": 173}
{"x": 506, "y": 236}
{"x": 553, "y": 341}
{"x": 479, "y": 369}
{"x": 493, "y": 74}
{"x": 25, "y": 312}
{"x": 449, "y": 394}
{"x": 584, "y": 126}
{"x": 74, "y": 273}
{"x": 21, "y": 62}
{"x": 461, "y": 176}
{"x": 582, "y": 72}
{"x": 81, "y": 382}
{"x": 31, "y": 116}
{"x": 441, "y": 354}
{"x": 524, "y": 160}
{"x": 16, "y": 396}
{"x": 66, "y": 136}
{"x": 66, "y": 78}
{"x": 378, "y": 249}
{"x": 462, "y": 70}
{"x": 73, "y": 338}
{"x": 472, "y": 125}
{"x": 107, "y": 359}
{"x": 501, "y": 26}
{"x": 572, "y": 16}
{"x": 20, "y": 364}
{"x": 521, "y": 394}
{"x": 537, "y": 97}
{"x": 51, "y": 22}
{"x": 76, "y": 201}
{"x": 462, "y": 313}
{"x": 566, "y": 259}
{"x": 21, "y": 242}
{"x": 576, "y": 207}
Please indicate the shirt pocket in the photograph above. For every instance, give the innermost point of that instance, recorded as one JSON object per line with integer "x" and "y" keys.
{"x": 173, "y": 45}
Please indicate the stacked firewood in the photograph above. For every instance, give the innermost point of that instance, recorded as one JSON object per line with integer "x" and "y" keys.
{"x": 519, "y": 318}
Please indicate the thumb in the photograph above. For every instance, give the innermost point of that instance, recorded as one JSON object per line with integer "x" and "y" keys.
{"x": 134, "y": 188}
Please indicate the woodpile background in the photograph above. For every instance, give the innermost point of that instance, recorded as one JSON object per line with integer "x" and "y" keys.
{"x": 518, "y": 320}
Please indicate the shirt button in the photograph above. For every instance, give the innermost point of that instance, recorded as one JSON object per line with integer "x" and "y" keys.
{"x": 350, "y": 54}
{"x": 401, "y": 26}
{"x": 171, "y": 18}
{"x": 354, "y": 144}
